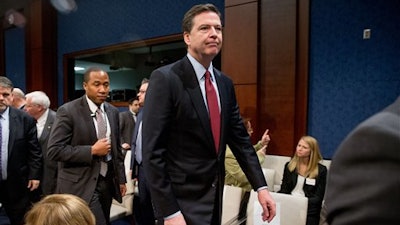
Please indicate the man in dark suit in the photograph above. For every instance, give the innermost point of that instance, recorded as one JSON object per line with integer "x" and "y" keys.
{"x": 85, "y": 141}
{"x": 21, "y": 156}
{"x": 127, "y": 121}
{"x": 183, "y": 151}
{"x": 142, "y": 204}
{"x": 37, "y": 105}
{"x": 363, "y": 180}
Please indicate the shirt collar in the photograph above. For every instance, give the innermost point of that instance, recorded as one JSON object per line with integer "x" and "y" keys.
{"x": 93, "y": 107}
{"x": 6, "y": 114}
{"x": 43, "y": 117}
{"x": 199, "y": 69}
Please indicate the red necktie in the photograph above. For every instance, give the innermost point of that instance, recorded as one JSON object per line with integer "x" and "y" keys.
{"x": 213, "y": 109}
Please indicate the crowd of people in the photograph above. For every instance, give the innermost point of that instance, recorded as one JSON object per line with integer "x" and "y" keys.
{"x": 187, "y": 142}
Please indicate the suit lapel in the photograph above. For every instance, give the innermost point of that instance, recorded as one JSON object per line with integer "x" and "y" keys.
{"x": 47, "y": 127}
{"x": 13, "y": 129}
{"x": 84, "y": 110}
{"x": 190, "y": 83}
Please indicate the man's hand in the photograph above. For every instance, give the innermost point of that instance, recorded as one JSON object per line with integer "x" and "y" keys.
{"x": 101, "y": 147}
{"x": 33, "y": 184}
{"x": 268, "y": 205}
{"x": 126, "y": 146}
{"x": 176, "y": 220}
{"x": 122, "y": 188}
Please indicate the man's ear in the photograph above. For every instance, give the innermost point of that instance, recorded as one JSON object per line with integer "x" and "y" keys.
{"x": 186, "y": 38}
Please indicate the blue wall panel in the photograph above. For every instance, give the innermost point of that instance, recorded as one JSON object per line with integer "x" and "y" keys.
{"x": 15, "y": 60}
{"x": 351, "y": 78}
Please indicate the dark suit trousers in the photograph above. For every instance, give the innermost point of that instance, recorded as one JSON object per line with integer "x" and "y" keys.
{"x": 15, "y": 208}
{"x": 100, "y": 204}
{"x": 142, "y": 205}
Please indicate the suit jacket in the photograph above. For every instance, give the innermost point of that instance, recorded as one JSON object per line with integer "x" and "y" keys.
{"x": 24, "y": 156}
{"x": 126, "y": 126}
{"x": 49, "y": 179}
{"x": 363, "y": 181}
{"x": 70, "y": 142}
{"x": 183, "y": 170}
{"x": 314, "y": 193}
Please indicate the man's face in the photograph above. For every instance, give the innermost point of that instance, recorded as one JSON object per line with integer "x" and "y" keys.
{"x": 134, "y": 107}
{"x": 6, "y": 98}
{"x": 142, "y": 93}
{"x": 204, "y": 41}
{"x": 33, "y": 109}
{"x": 97, "y": 87}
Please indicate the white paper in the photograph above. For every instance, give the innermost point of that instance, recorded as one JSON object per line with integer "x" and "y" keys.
{"x": 257, "y": 218}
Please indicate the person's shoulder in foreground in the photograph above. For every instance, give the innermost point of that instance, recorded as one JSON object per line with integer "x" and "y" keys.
{"x": 363, "y": 184}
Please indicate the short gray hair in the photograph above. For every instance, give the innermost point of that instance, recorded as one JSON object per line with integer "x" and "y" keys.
{"x": 39, "y": 98}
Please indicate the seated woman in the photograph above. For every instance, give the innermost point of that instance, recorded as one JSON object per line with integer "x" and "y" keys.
{"x": 233, "y": 173}
{"x": 303, "y": 175}
{"x": 60, "y": 209}
{"x": 235, "y": 176}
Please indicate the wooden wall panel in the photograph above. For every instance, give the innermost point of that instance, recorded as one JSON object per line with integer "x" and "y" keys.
{"x": 239, "y": 53}
{"x": 248, "y": 104}
{"x": 41, "y": 49}
{"x": 277, "y": 72}
{"x": 2, "y": 53}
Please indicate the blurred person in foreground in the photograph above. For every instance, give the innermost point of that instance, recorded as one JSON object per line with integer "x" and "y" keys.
{"x": 85, "y": 141}
{"x": 60, "y": 209}
{"x": 363, "y": 182}
{"x": 191, "y": 114}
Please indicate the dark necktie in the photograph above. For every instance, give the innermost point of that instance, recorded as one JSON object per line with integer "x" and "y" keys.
{"x": 213, "y": 109}
{"x": 102, "y": 130}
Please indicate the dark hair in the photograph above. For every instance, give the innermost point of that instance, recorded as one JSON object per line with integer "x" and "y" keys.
{"x": 6, "y": 83}
{"x": 86, "y": 76}
{"x": 187, "y": 22}
{"x": 130, "y": 101}
{"x": 144, "y": 81}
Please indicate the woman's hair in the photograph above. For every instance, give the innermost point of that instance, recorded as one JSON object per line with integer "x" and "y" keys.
{"x": 60, "y": 209}
{"x": 315, "y": 157}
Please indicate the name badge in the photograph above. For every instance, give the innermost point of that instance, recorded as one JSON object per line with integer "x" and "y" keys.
{"x": 310, "y": 181}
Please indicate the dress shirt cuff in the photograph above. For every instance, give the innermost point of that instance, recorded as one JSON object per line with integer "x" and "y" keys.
{"x": 173, "y": 215}
{"x": 262, "y": 188}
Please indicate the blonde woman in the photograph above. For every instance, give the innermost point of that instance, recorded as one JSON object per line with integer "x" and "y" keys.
{"x": 303, "y": 175}
{"x": 60, "y": 209}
